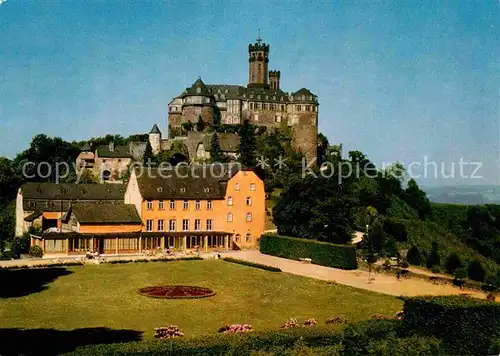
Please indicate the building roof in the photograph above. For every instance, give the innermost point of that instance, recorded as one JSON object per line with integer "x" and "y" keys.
{"x": 68, "y": 191}
{"x": 304, "y": 95}
{"x": 186, "y": 182}
{"x": 228, "y": 142}
{"x": 104, "y": 214}
{"x": 116, "y": 152}
{"x": 198, "y": 88}
{"x": 155, "y": 130}
{"x": 33, "y": 216}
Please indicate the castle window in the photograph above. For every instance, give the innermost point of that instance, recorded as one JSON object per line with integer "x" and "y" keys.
{"x": 209, "y": 224}
{"x": 251, "y": 95}
{"x": 185, "y": 205}
{"x": 229, "y": 201}
{"x": 282, "y": 107}
{"x": 248, "y": 217}
{"x": 249, "y": 237}
{"x": 229, "y": 217}
{"x": 238, "y": 237}
{"x": 197, "y": 205}
{"x": 303, "y": 97}
{"x": 256, "y": 117}
{"x": 237, "y": 186}
{"x": 149, "y": 225}
{"x": 171, "y": 225}
{"x": 308, "y": 108}
{"x": 274, "y": 96}
{"x": 267, "y": 97}
{"x": 249, "y": 201}
{"x": 172, "y": 205}
{"x": 277, "y": 118}
{"x": 252, "y": 186}
{"x": 207, "y": 190}
{"x": 32, "y": 204}
{"x": 297, "y": 107}
{"x": 198, "y": 90}
{"x": 209, "y": 205}
{"x": 281, "y": 98}
{"x": 149, "y": 205}
{"x": 185, "y": 225}
{"x": 197, "y": 224}
{"x": 161, "y": 224}
{"x": 183, "y": 190}
{"x": 159, "y": 189}
{"x": 225, "y": 91}
{"x": 266, "y": 106}
{"x": 160, "y": 205}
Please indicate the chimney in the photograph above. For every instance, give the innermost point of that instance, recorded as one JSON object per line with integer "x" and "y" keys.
{"x": 112, "y": 146}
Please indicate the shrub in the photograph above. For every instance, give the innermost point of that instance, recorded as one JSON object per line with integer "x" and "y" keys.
{"x": 168, "y": 332}
{"x": 495, "y": 348}
{"x": 414, "y": 256}
{"x": 358, "y": 337}
{"x": 434, "y": 258}
{"x": 467, "y": 326}
{"x": 290, "y": 323}
{"x": 452, "y": 263}
{"x": 396, "y": 230}
{"x": 336, "y": 320}
{"x": 36, "y": 251}
{"x": 435, "y": 269}
{"x": 321, "y": 253}
{"x": 476, "y": 271}
{"x": 251, "y": 264}
{"x": 20, "y": 244}
{"x": 397, "y": 346}
{"x": 310, "y": 322}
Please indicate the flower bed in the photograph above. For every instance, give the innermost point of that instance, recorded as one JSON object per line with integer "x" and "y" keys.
{"x": 168, "y": 332}
{"x": 177, "y": 292}
{"x": 235, "y": 328}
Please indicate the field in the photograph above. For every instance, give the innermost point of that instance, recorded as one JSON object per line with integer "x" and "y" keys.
{"x": 105, "y": 296}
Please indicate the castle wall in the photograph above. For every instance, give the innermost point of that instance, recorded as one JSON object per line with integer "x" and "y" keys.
{"x": 305, "y": 134}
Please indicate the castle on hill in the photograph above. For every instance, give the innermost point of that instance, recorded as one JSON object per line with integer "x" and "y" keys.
{"x": 262, "y": 102}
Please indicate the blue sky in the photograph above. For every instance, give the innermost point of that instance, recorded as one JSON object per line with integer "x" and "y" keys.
{"x": 396, "y": 80}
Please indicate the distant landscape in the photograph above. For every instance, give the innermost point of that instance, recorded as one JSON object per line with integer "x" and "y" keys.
{"x": 464, "y": 194}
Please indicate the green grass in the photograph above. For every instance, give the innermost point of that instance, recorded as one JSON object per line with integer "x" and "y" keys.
{"x": 106, "y": 296}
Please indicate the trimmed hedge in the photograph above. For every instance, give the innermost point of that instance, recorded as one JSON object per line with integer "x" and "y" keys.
{"x": 251, "y": 264}
{"x": 320, "y": 253}
{"x": 221, "y": 344}
{"x": 467, "y": 326}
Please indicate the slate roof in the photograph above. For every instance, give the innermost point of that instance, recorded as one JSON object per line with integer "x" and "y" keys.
{"x": 68, "y": 191}
{"x": 155, "y": 130}
{"x": 198, "y": 84}
{"x": 309, "y": 96}
{"x": 104, "y": 214}
{"x": 118, "y": 152}
{"x": 228, "y": 142}
{"x": 187, "y": 182}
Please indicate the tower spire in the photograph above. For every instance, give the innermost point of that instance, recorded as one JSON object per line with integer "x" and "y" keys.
{"x": 259, "y": 40}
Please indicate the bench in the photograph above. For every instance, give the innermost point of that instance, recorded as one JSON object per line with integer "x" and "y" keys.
{"x": 305, "y": 260}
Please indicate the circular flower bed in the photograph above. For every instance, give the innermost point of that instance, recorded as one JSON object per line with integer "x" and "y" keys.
{"x": 177, "y": 292}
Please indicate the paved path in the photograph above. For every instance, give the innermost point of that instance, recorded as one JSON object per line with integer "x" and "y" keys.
{"x": 381, "y": 283}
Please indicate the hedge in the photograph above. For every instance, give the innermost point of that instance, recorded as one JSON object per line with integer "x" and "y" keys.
{"x": 320, "y": 253}
{"x": 221, "y": 344}
{"x": 251, "y": 264}
{"x": 467, "y": 326}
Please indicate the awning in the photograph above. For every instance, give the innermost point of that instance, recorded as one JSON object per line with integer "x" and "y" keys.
{"x": 33, "y": 216}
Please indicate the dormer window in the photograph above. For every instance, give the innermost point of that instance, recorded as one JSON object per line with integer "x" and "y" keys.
{"x": 32, "y": 204}
{"x": 38, "y": 190}
{"x": 183, "y": 190}
{"x": 198, "y": 90}
{"x": 207, "y": 190}
{"x": 159, "y": 189}
{"x": 84, "y": 191}
{"x": 63, "y": 191}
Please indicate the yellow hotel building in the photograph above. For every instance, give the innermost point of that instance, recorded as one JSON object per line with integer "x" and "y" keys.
{"x": 203, "y": 207}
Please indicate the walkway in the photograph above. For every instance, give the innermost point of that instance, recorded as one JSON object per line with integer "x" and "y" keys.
{"x": 380, "y": 283}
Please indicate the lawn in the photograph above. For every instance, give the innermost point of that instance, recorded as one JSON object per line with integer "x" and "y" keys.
{"x": 66, "y": 298}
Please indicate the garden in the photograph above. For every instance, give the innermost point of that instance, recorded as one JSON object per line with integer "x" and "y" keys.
{"x": 99, "y": 304}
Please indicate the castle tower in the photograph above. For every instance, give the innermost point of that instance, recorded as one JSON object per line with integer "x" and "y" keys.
{"x": 155, "y": 139}
{"x": 274, "y": 79}
{"x": 258, "y": 58}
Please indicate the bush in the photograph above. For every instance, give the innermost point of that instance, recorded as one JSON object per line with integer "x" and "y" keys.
{"x": 435, "y": 269}
{"x": 396, "y": 230}
{"x": 467, "y": 326}
{"x": 36, "y": 251}
{"x": 452, "y": 263}
{"x": 476, "y": 271}
{"x": 321, "y": 253}
{"x": 495, "y": 348}
{"x": 414, "y": 256}
{"x": 410, "y": 346}
{"x": 20, "y": 244}
{"x": 220, "y": 344}
{"x": 434, "y": 258}
{"x": 251, "y": 264}
{"x": 358, "y": 337}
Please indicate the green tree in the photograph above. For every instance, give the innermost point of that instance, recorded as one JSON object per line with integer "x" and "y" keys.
{"x": 247, "y": 145}
{"x": 417, "y": 199}
{"x": 414, "y": 256}
{"x": 476, "y": 271}
{"x": 434, "y": 258}
{"x": 200, "y": 125}
{"x": 322, "y": 150}
{"x": 216, "y": 154}
{"x": 148, "y": 154}
{"x": 187, "y": 126}
{"x": 452, "y": 263}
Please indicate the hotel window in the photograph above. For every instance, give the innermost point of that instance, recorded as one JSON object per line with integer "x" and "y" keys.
{"x": 209, "y": 205}
{"x": 197, "y": 224}
{"x": 249, "y": 217}
{"x": 149, "y": 205}
{"x": 197, "y": 205}
{"x": 249, "y": 237}
{"x": 172, "y": 205}
{"x": 149, "y": 225}
{"x": 237, "y": 186}
{"x": 185, "y": 225}
{"x": 185, "y": 205}
{"x": 229, "y": 201}
{"x": 249, "y": 201}
{"x": 252, "y": 186}
{"x": 161, "y": 206}
{"x": 161, "y": 225}
{"x": 229, "y": 217}
{"x": 209, "y": 224}
{"x": 171, "y": 225}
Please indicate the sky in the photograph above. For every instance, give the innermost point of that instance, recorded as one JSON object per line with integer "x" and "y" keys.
{"x": 409, "y": 81}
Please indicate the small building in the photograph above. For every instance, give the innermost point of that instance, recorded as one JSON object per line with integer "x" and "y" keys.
{"x": 43, "y": 204}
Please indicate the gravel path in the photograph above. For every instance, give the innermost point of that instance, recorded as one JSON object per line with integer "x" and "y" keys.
{"x": 381, "y": 283}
